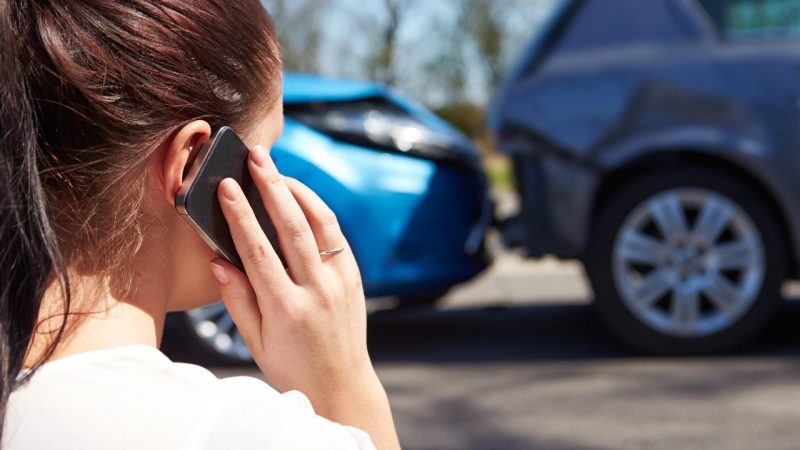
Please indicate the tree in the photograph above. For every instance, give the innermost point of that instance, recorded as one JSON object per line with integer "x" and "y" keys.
{"x": 445, "y": 69}
{"x": 381, "y": 62}
{"x": 300, "y": 31}
{"x": 483, "y": 21}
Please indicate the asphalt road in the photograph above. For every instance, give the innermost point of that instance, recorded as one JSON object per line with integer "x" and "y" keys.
{"x": 516, "y": 360}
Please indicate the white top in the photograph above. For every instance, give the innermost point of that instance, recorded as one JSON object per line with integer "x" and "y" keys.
{"x": 134, "y": 397}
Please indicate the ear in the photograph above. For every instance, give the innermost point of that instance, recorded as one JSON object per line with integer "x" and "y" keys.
{"x": 179, "y": 153}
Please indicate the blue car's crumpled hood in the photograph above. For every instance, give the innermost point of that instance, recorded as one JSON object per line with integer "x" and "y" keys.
{"x": 303, "y": 88}
{"x": 299, "y": 88}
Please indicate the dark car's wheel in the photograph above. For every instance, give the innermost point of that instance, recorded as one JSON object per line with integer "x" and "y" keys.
{"x": 686, "y": 261}
{"x": 206, "y": 336}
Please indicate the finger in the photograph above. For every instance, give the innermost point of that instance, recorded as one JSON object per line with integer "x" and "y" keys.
{"x": 323, "y": 222}
{"x": 241, "y": 302}
{"x": 260, "y": 261}
{"x": 294, "y": 233}
{"x": 326, "y": 229}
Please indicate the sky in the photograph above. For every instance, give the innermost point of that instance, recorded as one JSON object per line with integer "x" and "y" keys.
{"x": 429, "y": 30}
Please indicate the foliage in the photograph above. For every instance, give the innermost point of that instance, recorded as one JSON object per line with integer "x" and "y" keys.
{"x": 448, "y": 55}
{"x": 467, "y": 117}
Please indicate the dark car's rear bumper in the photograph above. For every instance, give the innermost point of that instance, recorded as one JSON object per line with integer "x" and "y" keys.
{"x": 556, "y": 196}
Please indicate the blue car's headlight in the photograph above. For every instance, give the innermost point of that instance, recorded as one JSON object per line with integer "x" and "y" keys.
{"x": 378, "y": 123}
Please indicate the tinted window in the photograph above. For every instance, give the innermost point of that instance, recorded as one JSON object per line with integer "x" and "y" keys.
{"x": 619, "y": 23}
{"x": 755, "y": 18}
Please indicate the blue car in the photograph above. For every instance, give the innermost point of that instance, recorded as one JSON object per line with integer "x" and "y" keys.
{"x": 408, "y": 189}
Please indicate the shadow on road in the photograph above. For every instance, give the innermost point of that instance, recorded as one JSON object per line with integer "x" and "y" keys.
{"x": 543, "y": 332}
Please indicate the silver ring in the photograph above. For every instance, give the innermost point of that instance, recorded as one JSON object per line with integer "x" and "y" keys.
{"x": 334, "y": 251}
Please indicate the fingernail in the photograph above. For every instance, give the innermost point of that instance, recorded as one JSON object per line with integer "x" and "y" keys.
{"x": 219, "y": 273}
{"x": 229, "y": 189}
{"x": 259, "y": 155}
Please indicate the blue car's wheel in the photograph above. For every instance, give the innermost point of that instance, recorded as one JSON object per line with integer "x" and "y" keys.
{"x": 205, "y": 336}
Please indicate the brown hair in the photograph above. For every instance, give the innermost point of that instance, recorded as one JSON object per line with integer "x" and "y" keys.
{"x": 89, "y": 89}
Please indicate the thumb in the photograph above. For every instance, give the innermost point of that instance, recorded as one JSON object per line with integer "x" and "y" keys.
{"x": 240, "y": 300}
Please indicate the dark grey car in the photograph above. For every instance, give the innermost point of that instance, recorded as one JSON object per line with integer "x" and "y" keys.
{"x": 657, "y": 140}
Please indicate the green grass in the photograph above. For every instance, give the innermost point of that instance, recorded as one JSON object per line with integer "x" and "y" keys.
{"x": 500, "y": 173}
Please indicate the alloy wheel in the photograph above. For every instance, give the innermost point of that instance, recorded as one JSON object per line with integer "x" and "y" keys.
{"x": 214, "y": 326}
{"x": 688, "y": 262}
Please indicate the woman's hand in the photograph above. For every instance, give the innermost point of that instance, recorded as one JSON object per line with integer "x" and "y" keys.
{"x": 305, "y": 325}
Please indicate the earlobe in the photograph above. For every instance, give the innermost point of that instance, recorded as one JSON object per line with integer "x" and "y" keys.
{"x": 179, "y": 154}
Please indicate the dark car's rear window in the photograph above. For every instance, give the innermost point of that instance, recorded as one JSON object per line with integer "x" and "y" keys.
{"x": 755, "y": 18}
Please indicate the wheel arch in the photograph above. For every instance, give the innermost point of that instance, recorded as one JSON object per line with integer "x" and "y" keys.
{"x": 615, "y": 179}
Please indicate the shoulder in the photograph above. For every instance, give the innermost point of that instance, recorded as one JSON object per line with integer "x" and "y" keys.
{"x": 265, "y": 418}
{"x": 139, "y": 398}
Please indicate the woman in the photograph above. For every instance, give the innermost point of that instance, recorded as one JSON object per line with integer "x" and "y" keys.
{"x": 104, "y": 105}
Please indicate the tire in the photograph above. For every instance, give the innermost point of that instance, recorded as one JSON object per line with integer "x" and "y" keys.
{"x": 420, "y": 300}
{"x": 676, "y": 298}
{"x": 184, "y": 339}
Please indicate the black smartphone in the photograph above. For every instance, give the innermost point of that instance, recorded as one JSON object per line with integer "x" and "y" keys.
{"x": 223, "y": 156}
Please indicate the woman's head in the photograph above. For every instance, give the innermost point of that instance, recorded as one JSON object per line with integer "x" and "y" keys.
{"x": 112, "y": 81}
{"x": 103, "y": 104}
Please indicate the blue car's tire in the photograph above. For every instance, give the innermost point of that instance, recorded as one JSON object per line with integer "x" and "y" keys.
{"x": 708, "y": 285}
